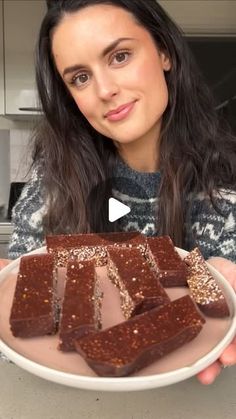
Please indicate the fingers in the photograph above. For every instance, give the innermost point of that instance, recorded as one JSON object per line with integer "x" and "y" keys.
{"x": 4, "y": 262}
{"x": 209, "y": 375}
{"x": 228, "y": 357}
{"x": 226, "y": 268}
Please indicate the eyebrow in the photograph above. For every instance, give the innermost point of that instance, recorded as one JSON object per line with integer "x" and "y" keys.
{"x": 106, "y": 51}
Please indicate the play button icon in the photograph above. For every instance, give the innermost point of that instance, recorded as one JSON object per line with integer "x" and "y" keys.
{"x": 111, "y": 206}
{"x": 116, "y": 209}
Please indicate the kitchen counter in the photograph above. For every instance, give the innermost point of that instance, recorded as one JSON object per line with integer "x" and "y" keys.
{"x": 25, "y": 396}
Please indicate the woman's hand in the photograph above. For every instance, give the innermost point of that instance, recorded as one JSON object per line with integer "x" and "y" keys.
{"x": 4, "y": 262}
{"x": 228, "y": 357}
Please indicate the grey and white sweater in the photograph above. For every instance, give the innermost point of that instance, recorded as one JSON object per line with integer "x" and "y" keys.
{"x": 215, "y": 234}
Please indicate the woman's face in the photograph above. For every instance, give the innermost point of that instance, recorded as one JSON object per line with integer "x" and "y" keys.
{"x": 113, "y": 70}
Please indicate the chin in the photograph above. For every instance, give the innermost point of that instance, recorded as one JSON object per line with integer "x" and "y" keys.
{"x": 128, "y": 138}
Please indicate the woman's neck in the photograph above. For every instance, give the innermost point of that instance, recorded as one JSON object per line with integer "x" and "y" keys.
{"x": 141, "y": 155}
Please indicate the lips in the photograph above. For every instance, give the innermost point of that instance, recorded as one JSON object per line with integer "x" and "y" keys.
{"x": 120, "y": 113}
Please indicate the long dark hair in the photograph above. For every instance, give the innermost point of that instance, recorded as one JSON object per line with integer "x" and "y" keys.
{"x": 196, "y": 155}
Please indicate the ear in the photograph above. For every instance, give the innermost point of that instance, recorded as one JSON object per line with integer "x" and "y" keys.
{"x": 165, "y": 61}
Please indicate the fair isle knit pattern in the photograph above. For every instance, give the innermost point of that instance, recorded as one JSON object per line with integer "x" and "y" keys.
{"x": 213, "y": 233}
{"x": 27, "y": 218}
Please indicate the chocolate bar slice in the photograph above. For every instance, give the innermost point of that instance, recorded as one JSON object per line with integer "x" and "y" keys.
{"x": 91, "y": 246}
{"x": 130, "y": 346}
{"x": 166, "y": 262}
{"x": 81, "y": 305}
{"x": 33, "y": 307}
{"x": 139, "y": 289}
{"x": 203, "y": 287}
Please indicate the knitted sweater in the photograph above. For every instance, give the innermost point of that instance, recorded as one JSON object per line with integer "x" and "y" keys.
{"x": 213, "y": 233}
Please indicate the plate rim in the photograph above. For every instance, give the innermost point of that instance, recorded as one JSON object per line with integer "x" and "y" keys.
{"x": 134, "y": 383}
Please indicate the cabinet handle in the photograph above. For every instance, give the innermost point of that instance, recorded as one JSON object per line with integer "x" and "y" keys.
{"x": 30, "y": 109}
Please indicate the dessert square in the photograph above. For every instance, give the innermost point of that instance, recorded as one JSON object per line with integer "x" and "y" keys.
{"x": 203, "y": 287}
{"x": 139, "y": 289}
{"x": 33, "y": 311}
{"x": 166, "y": 262}
{"x": 81, "y": 307}
{"x": 130, "y": 346}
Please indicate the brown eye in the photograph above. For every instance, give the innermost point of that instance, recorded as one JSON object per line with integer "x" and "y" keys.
{"x": 120, "y": 57}
{"x": 83, "y": 78}
{"x": 80, "y": 79}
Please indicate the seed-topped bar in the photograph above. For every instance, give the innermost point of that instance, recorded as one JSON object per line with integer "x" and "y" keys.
{"x": 33, "y": 308}
{"x": 91, "y": 246}
{"x": 203, "y": 287}
{"x": 130, "y": 346}
{"x": 166, "y": 262}
{"x": 81, "y": 308}
{"x": 139, "y": 289}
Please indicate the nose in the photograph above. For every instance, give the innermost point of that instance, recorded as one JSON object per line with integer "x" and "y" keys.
{"x": 106, "y": 86}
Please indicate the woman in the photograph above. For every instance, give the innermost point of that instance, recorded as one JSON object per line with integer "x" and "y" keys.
{"x": 127, "y": 114}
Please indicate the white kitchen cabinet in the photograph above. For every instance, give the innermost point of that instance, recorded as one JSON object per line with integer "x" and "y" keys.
{"x": 1, "y": 62}
{"x": 203, "y": 16}
{"x": 22, "y": 20}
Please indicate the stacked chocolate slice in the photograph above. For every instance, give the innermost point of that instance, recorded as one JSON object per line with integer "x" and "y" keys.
{"x": 91, "y": 246}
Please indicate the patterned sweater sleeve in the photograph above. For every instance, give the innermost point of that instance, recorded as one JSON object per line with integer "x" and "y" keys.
{"x": 27, "y": 217}
{"x": 215, "y": 231}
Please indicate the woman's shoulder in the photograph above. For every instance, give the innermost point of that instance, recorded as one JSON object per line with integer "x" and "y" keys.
{"x": 223, "y": 199}
{"x": 27, "y": 216}
{"x": 216, "y": 216}
{"x": 31, "y": 199}
{"x": 213, "y": 226}
{"x": 222, "y": 211}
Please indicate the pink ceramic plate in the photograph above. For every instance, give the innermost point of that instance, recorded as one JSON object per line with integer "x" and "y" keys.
{"x": 41, "y": 357}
